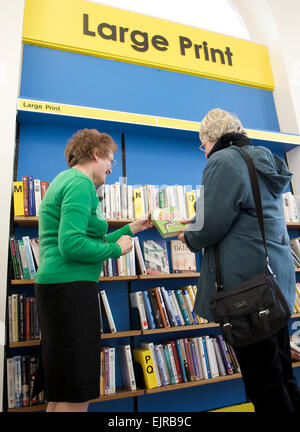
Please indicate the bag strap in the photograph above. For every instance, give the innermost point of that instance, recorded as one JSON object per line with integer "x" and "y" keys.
{"x": 259, "y": 212}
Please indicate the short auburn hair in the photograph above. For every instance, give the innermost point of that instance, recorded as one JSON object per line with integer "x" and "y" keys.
{"x": 81, "y": 146}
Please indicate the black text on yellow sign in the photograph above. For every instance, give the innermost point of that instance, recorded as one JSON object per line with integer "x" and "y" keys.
{"x": 142, "y": 42}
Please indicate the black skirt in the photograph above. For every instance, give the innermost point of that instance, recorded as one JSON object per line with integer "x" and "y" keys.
{"x": 69, "y": 320}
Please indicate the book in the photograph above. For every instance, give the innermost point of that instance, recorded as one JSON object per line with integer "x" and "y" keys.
{"x": 31, "y": 199}
{"x": 126, "y": 366}
{"x": 190, "y": 203}
{"x": 107, "y": 310}
{"x": 150, "y": 346}
{"x": 138, "y": 202}
{"x": 18, "y": 198}
{"x": 162, "y": 308}
{"x": 25, "y": 195}
{"x": 156, "y": 256}
{"x": 140, "y": 263}
{"x": 167, "y": 222}
{"x": 182, "y": 306}
{"x": 37, "y": 195}
{"x": 155, "y": 309}
{"x": 181, "y": 362}
{"x": 182, "y": 259}
{"x": 29, "y": 257}
{"x": 144, "y": 358}
{"x": 170, "y": 309}
{"x": 160, "y": 366}
{"x": 149, "y": 313}
{"x": 136, "y": 299}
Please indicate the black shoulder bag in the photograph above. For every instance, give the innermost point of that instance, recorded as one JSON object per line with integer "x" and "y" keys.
{"x": 255, "y": 309}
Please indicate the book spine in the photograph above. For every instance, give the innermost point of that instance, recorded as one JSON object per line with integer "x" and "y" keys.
{"x": 155, "y": 308}
{"x": 18, "y": 381}
{"x": 181, "y": 363}
{"x": 29, "y": 257}
{"x": 160, "y": 365}
{"x": 44, "y": 187}
{"x": 149, "y": 313}
{"x": 175, "y": 302}
{"x": 31, "y": 201}
{"x": 169, "y": 365}
{"x": 169, "y": 307}
{"x": 224, "y": 355}
{"x": 189, "y": 359}
{"x": 25, "y": 195}
{"x": 174, "y": 308}
{"x": 37, "y": 195}
{"x": 112, "y": 371}
{"x": 164, "y": 364}
{"x": 108, "y": 312}
{"x": 136, "y": 299}
{"x": 162, "y": 307}
{"x": 18, "y": 198}
{"x": 106, "y": 371}
{"x": 173, "y": 364}
{"x": 221, "y": 366}
{"x": 10, "y": 383}
{"x": 23, "y": 259}
{"x": 182, "y": 306}
{"x": 150, "y": 346}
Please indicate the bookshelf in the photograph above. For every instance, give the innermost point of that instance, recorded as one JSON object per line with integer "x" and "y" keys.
{"x": 152, "y": 134}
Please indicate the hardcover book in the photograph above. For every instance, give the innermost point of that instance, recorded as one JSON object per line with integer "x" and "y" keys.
{"x": 182, "y": 259}
{"x": 156, "y": 256}
{"x": 167, "y": 222}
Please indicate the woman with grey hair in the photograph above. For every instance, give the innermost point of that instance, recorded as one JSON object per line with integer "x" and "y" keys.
{"x": 230, "y": 220}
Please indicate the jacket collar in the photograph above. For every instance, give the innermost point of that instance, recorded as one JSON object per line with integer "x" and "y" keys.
{"x": 229, "y": 139}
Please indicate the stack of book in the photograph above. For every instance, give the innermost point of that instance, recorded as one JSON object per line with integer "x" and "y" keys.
{"x": 291, "y": 207}
{"x": 185, "y": 360}
{"x": 21, "y": 374}
{"x": 25, "y": 257}
{"x": 27, "y": 195}
{"x": 23, "y": 318}
{"x": 162, "y": 308}
{"x": 122, "y": 201}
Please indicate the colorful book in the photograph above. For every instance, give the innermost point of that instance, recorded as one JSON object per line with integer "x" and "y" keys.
{"x": 144, "y": 358}
{"x": 18, "y": 198}
{"x": 156, "y": 256}
{"x": 167, "y": 222}
{"x": 182, "y": 259}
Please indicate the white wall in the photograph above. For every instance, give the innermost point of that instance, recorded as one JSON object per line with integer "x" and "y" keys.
{"x": 275, "y": 23}
{"x": 11, "y": 22}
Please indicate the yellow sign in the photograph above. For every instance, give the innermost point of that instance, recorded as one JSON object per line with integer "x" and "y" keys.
{"x": 94, "y": 29}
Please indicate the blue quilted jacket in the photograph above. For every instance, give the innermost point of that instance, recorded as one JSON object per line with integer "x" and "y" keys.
{"x": 230, "y": 218}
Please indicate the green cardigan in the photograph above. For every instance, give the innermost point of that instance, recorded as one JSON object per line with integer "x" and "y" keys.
{"x": 72, "y": 231}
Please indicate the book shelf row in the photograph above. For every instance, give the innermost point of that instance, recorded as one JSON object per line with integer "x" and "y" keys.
{"x": 133, "y": 333}
{"x": 128, "y": 278}
{"x": 124, "y": 393}
{"x": 32, "y": 221}
{"x": 124, "y": 278}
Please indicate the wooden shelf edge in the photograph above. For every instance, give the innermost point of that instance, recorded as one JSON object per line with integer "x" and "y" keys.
{"x": 24, "y": 344}
{"x": 121, "y": 393}
{"x": 180, "y": 386}
{"x": 126, "y": 333}
{"x": 179, "y": 328}
{"x": 293, "y": 225}
{"x": 169, "y": 275}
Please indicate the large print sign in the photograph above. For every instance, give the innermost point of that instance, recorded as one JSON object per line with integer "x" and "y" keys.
{"x": 94, "y": 29}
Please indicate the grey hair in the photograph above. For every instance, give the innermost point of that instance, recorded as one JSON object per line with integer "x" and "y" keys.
{"x": 218, "y": 122}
